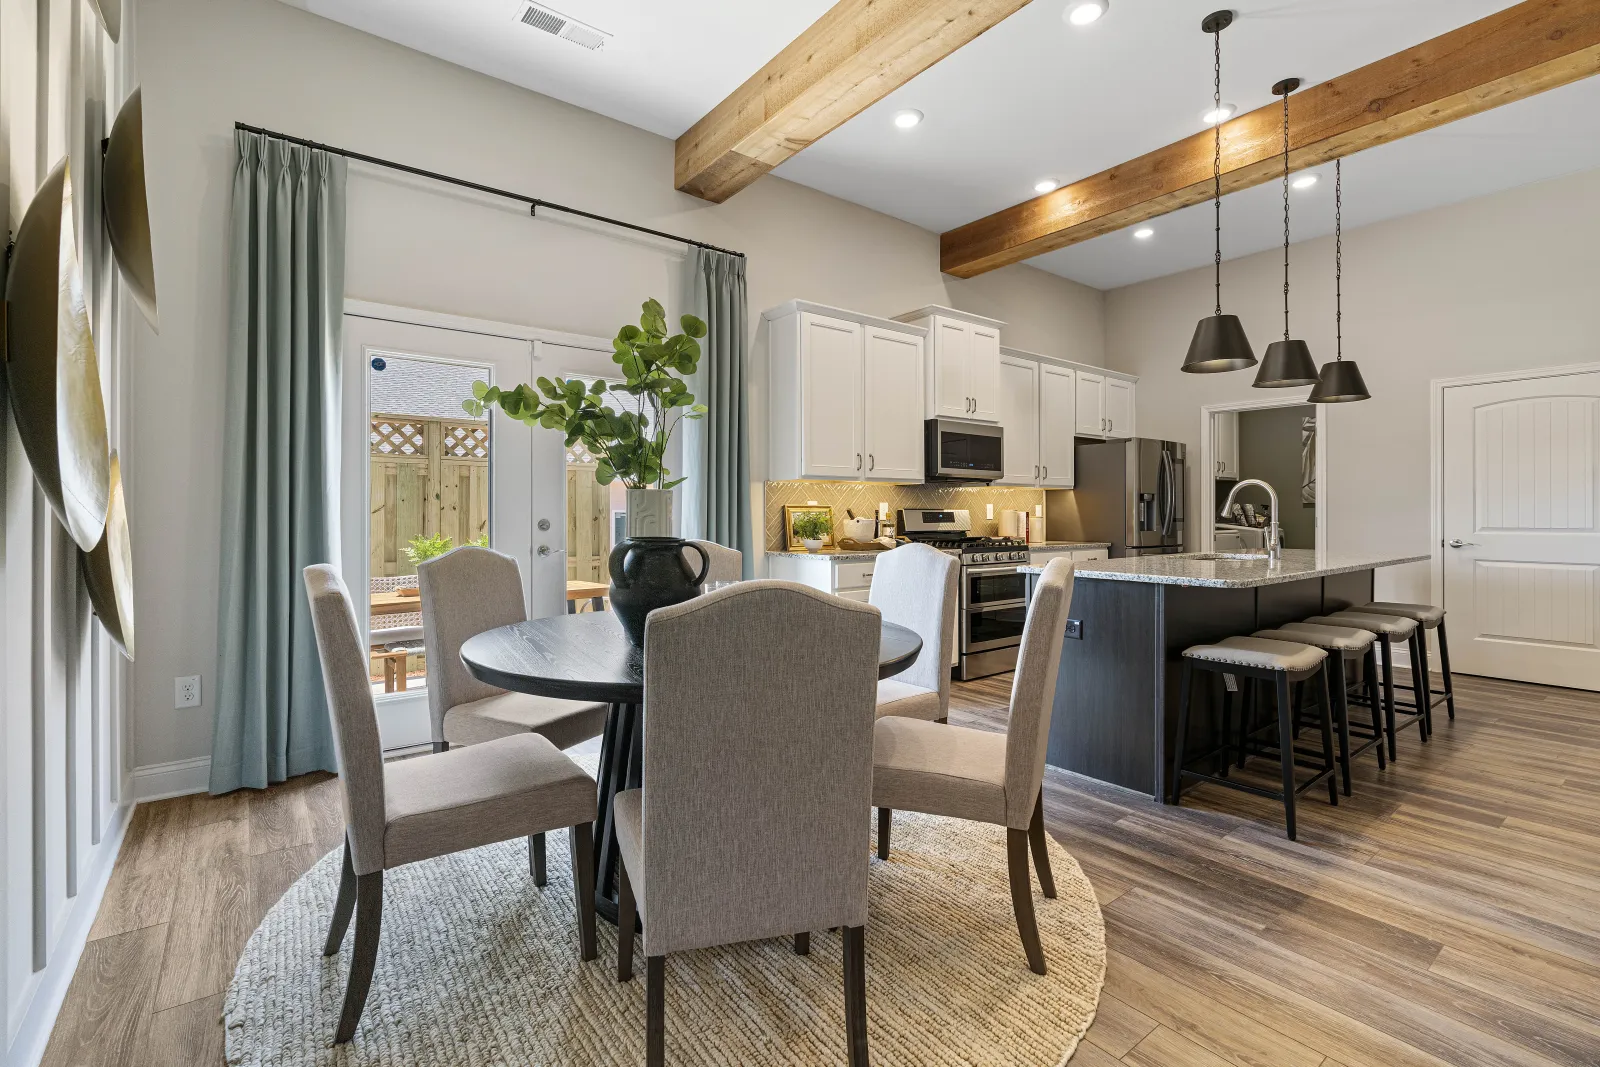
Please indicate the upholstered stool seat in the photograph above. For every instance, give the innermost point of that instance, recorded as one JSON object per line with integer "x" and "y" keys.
{"x": 1339, "y": 642}
{"x": 1431, "y": 618}
{"x": 1263, "y": 658}
{"x": 1348, "y": 639}
{"x": 1388, "y": 629}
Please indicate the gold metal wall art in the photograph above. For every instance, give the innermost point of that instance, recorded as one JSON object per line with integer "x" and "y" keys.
{"x": 108, "y": 569}
{"x": 127, "y": 208}
{"x": 109, "y": 12}
{"x": 51, "y": 370}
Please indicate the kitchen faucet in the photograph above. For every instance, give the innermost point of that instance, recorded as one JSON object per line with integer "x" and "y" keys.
{"x": 1274, "y": 550}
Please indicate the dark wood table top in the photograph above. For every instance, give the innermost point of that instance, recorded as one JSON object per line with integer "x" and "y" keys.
{"x": 587, "y": 657}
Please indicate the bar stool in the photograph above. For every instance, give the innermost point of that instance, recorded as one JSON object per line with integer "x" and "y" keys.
{"x": 1341, "y": 642}
{"x": 1387, "y": 629}
{"x": 1284, "y": 664}
{"x": 1427, "y": 617}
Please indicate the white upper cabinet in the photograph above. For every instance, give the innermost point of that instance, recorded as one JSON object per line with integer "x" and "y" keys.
{"x": 1225, "y": 444}
{"x": 1019, "y": 418}
{"x": 1119, "y": 407}
{"x": 893, "y": 405}
{"x": 1057, "y": 402}
{"x": 963, "y": 364}
{"x": 1091, "y": 404}
{"x": 846, "y": 395}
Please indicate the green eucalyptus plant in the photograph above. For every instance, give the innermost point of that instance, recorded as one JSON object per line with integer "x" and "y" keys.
{"x": 628, "y": 440}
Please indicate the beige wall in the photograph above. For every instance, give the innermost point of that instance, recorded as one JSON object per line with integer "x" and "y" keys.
{"x": 1503, "y": 282}
{"x": 212, "y": 62}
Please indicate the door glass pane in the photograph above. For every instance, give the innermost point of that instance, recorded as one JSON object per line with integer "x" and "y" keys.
{"x": 430, "y": 492}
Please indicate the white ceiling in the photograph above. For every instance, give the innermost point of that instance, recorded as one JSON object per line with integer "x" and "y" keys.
{"x": 1032, "y": 98}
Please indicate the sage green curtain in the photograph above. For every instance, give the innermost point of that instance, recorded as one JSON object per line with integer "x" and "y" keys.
{"x": 280, "y": 461}
{"x": 717, "y": 448}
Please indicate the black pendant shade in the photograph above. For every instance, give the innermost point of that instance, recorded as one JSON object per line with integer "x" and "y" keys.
{"x": 1287, "y": 364}
{"x": 1219, "y": 344}
{"x": 1339, "y": 383}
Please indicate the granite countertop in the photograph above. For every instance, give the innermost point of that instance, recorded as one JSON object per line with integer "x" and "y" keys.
{"x": 1296, "y": 565}
{"x": 1035, "y": 546}
{"x": 827, "y": 553}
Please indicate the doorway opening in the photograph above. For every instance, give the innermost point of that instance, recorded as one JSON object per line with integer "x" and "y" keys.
{"x": 1282, "y": 442}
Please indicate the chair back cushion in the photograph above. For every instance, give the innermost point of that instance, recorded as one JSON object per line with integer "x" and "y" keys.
{"x": 916, "y": 586}
{"x": 727, "y": 564}
{"x": 464, "y": 593}
{"x": 1033, "y": 690}
{"x": 758, "y": 711}
{"x": 355, "y": 721}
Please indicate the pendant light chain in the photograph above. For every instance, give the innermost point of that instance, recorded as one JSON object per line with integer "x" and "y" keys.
{"x": 1216, "y": 161}
{"x": 1338, "y": 260}
{"x": 1286, "y": 216}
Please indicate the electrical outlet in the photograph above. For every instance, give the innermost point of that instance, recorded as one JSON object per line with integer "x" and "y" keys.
{"x": 186, "y": 691}
{"x": 1075, "y": 629}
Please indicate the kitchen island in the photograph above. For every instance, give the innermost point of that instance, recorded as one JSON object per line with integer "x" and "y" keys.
{"x": 1116, "y": 703}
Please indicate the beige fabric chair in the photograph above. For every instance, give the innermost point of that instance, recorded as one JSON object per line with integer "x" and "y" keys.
{"x": 464, "y": 593}
{"x": 757, "y": 775}
{"x": 429, "y": 806}
{"x": 982, "y": 776}
{"x": 727, "y": 564}
{"x": 915, "y": 586}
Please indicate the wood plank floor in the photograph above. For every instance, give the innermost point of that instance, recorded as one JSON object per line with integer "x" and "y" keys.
{"x": 1448, "y": 913}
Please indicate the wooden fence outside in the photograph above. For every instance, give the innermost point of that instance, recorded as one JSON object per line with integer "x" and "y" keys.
{"x": 588, "y": 525}
{"x": 429, "y": 476}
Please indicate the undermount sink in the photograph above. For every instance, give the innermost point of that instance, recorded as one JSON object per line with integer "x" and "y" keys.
{"x": 1235, "y": 557}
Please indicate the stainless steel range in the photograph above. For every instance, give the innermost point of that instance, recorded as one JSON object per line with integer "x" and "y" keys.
{"x": 993, "y": 606}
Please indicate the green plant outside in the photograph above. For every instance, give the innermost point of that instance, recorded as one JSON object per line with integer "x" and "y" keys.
{"x": 628, "y": 444}
{"x": 812, "y": 525}
{"x": 423, "y": 548}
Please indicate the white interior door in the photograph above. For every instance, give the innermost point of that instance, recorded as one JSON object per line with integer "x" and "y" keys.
{"x": 416, "y": 465}
{"x": 893, "y": 408}
{"x": 1522, "y": 541}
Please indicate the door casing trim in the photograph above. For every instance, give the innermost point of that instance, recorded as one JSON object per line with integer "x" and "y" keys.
{"x": 1206, "y": 532}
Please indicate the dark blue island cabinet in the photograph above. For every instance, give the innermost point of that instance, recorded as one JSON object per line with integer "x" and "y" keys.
{"x": 1116, "y": 703}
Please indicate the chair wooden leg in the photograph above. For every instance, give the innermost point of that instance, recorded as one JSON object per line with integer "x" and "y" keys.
{"x": 855, "y": 994}
{"x": 536, "y": 859}
{"x": 582, "y": 849}
{"x": 1022, "y": 897}
{"x": 627, "y": 918}
{"x": 1444, "y": 668}
{"x": 1041, "y": 853}
{"x": 343, "y": 907}
{"x": 802, "y": 943}
{"x": 885, "y": 820}
{"x": 1286, "y": 749}
{"x": 369, "y": 921}
{"x": 655, "y": 999}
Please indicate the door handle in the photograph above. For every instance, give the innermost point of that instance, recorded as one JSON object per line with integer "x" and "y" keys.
{"x": 1047, "y": 472}
{"x": 1111, "y": 424}
{"x": 1036, "y": 471}
{"x": 858, "y": 461}
{"x": 871, "y": 462}
{"x": 1456, "y": 542}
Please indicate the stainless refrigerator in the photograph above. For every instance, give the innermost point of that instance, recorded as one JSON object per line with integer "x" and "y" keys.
{"x": 1130, "y": 493}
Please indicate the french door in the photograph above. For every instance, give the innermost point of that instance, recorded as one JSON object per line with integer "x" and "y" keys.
{"x": 420, "y": 476}
{"x": 1521, "y": 529}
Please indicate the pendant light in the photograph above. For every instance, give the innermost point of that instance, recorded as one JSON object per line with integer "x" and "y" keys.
{"x": 1287, "y": 363}
{"x": 1219, "y": 343}
{"x": 1340, "y": 382}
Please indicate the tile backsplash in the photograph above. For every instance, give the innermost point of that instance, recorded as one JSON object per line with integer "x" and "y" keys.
{"x": 863, "y": 499}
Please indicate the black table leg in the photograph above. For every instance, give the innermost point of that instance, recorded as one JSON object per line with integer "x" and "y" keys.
{"x": 621, "y": 768}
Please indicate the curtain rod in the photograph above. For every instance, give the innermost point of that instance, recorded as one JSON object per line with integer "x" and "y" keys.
{"x": 533, "y": 202}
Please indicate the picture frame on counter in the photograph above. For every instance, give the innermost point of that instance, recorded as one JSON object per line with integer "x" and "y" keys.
{"x": 794, "y": 511}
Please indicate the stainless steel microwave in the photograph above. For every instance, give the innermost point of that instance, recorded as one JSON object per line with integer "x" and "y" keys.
{"x": 962, "y": 451}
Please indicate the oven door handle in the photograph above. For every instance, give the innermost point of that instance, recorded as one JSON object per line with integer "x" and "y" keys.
{"x": 998, "y": 605}
{"x": 992, "y": 568}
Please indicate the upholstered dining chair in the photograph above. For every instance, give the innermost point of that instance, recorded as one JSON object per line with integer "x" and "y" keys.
{"x": 757, "y": 775}
{"x": 915, "y": 586}
{"x": 982, "y": 776}
{"x": 428, "y": 806}
{"x": 727, "y": 564}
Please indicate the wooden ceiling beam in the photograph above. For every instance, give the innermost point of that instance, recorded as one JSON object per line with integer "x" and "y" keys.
{"x": 853, "y": 56}
{"x": 1511, "y": 55}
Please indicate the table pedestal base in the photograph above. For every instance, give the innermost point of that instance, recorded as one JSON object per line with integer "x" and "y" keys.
{"x": 621, "y": 768}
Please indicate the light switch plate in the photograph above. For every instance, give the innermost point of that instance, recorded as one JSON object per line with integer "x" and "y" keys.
{"x": 186, "y": 691}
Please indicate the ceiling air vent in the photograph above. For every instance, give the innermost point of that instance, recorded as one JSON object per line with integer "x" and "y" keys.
{"x": 553, "y": 22}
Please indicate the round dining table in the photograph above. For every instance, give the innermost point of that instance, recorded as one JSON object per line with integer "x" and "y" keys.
{"x": 588, "y": 657}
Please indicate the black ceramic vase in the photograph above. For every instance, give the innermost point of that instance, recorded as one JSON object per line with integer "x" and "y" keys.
{"x": 649, "y": 573}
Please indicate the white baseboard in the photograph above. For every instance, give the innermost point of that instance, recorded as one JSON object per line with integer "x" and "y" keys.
{"x": 50, "y": 985}
{"x": 176, "y": 779}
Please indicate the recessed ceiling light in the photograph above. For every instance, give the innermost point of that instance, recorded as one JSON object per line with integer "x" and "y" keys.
{"x": 1305, "y": 181}
{"x": 1144, "y": 233}
{"x": 1212, "y": 116}
{"x": 1083, "y": 12}
{"x": 907, "y": 118}
{"x": 1046, "y": 186}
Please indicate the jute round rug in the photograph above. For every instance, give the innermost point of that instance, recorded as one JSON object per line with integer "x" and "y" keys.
{"x": 478, "y": 966}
